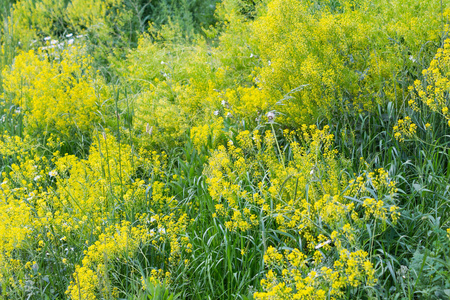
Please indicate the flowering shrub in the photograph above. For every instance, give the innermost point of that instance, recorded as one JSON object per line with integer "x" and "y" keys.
{"x": 299, "y": 282}
{"x": 308, "y": 196}
{"x": 184, "y": 86}
{"x": 433, "y": 91}
{"x": 348, "y": 64}
{"x": 404, "y": 128}
{"x": 68, "y": 200}
{"x": 58, "y": 93}
{"x": 121, "y": 242}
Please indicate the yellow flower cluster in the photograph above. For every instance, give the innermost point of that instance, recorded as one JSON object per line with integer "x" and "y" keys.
{"x": 405, "y": 128}
{"x": 303, "y": 195}
{"x": 336, "y": 68}
{"x": 200, "y": 135}
{"x": 16, "y": 193}
{"x": 16, "y": 147}
{"x": 111, "y": 164}
{"x": 118, "y": 241}
{"x": 16, "y": 216}
{"x": 57, "y": 92}
{"x": 224, "y": 172}
{"x": 364, "y": 186}
{"x": 58, "y": 201}
{"x": 290, "y": 278}
{"x": 121, "y": 242}
{"x": 433, "y": 91}
{"x": 157, "y": 277}
{"x": 245, "y": 103}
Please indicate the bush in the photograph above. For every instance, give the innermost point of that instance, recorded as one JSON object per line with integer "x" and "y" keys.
{"x": 348, "y": 59}
{"x": 58, "y": 93}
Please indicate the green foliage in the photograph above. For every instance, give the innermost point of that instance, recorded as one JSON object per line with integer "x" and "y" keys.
{"x": 159, "y": 292}
{"x": 356, "y": 60}
{"x": 109, "y": 27}
{"x": 236, "y": 149}
{"x": 192, "y": 16}
{"x": 194, "y": 80}
{"x": 5, "y": 7}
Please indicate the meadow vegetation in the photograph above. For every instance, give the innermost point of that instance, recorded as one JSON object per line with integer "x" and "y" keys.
{"x": 234, "y": 149}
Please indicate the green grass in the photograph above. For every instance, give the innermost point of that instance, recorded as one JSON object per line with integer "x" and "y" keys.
{"x": 411, "y": 258}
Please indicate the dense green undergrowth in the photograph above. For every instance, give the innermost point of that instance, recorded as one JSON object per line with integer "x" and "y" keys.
{"x": 238, "y": 149}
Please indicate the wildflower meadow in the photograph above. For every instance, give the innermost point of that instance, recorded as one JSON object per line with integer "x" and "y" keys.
{"x": 224, "y": 149}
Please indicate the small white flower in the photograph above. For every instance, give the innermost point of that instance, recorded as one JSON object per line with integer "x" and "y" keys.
{"x": 312, "y": 172}
{"x": 161, "y": 230}
{"x": 230, "y": 142}
{"x": 37, "y": 178}
{"x": 269, "y": 62}
{"x": 271, "y": 116}
{"x": 229, "y": 115}
{"x": 251, "y": 55}
{"x": 69, "y": 35}
{"x": 162, "y": 62}
{"x": 48, "y": 38}
{"x": 70, "y": 42}
{"x": 53, "y": 173}
{"x": 216, "y": 112}
{"x": 53, "y": 42}
{"x": 152, "y": 220}
{"x": 224, "y": 103}
{"x": 322, "y": 244}
{"x": 148, "y": 129}
{"x": 411, "y": 58}
{"x": 48, "y": 47}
